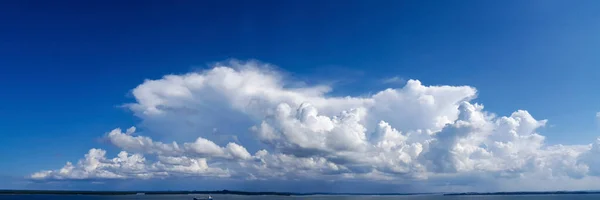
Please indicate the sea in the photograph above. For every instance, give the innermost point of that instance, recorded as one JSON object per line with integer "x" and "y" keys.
{"x": 312, "y": 197}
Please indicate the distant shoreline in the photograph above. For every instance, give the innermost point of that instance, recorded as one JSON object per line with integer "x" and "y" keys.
{"x": 520, "y": 193}
{"x": 81, "y": 192}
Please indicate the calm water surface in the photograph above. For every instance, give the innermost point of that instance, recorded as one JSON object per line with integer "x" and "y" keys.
{"x": 236, "y": 197}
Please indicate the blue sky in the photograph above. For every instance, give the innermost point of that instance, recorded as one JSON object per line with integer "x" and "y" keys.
{"x": 67, "y": 67}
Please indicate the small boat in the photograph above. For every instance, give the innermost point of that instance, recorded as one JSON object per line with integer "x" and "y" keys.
{"x": 209, "y": 198}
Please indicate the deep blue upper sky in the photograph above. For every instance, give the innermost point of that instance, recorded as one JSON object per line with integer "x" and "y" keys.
{"x": 66, "y": 66}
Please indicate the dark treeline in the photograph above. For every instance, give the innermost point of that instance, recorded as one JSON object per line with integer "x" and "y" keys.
{"x": 522, "y": 193}
{"x": 66, "y": 192}
{"x": 71, "y": 192}
{"x": 365, "y": 194}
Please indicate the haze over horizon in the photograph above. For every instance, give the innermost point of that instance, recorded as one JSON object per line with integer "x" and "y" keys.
{"x": 300, "y": 96}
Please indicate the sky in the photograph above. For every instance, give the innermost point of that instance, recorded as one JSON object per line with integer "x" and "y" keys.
{"x": 301, "y": 96}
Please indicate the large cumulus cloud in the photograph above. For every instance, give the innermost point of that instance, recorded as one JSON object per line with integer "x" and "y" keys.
{"x": 414, "y": 134}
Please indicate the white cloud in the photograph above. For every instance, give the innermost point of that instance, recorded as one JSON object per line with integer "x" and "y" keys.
{"x": 237, "y": 151}
{"x": 199, "y": 148}
{"x": 204, "y": 147}
{"x": 95, "y": 165}
{"x": 141, "y": 144}
{"x": 416, "y": 133}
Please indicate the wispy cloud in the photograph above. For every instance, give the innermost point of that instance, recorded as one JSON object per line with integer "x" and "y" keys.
{"x": 394, "y": 80}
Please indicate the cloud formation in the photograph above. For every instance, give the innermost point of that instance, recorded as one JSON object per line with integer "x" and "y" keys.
{"x": 393, "y": 80}
{"x": 414, "y": 134}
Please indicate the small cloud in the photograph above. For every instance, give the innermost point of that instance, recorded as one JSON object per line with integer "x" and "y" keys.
{"x": 598, "y": 117}
{"x": 393, "y": 80}
{"x": 130, "y": 130}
